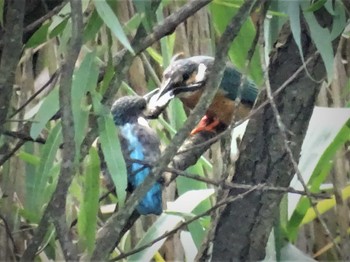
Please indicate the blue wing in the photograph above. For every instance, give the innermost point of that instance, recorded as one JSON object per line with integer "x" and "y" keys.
{"x": 142, "y": 144}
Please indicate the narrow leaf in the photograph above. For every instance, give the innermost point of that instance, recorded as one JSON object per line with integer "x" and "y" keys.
{"x": 111, "y": 149}
{"x": 87, "y": 219}
{"x": 48, "y": 108}
{"x": 111, "y": 20}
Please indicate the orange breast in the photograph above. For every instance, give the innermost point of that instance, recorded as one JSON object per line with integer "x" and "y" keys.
{"x": 222, "y": 107}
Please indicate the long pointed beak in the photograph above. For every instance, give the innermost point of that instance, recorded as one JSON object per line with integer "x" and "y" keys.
{"x": 148, "y": 96}
{"x": 158, "y": 100}
{"x": 166, "y": 91}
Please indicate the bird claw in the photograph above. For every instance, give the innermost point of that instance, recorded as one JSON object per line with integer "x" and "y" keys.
{"x": 206, "y": 124}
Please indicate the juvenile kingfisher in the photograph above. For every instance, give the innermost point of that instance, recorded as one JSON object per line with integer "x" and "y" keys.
{"x": 186, "y": 78}
{"x": 138, "y": 142}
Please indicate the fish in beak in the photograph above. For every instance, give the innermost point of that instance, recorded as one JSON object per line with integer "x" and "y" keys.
{"x": 176, "y": 82}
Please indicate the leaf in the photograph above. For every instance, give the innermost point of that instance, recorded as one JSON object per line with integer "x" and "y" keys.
{"x": 188, "y": 245}
{"x": 323, "y": 41}
{"x": 133, "y": 23}
{"x": 111, "y": 20}
{"x": 36, "y": 185}
{"x": 58, "y": 29}
{"x": 111, "y": 149}
{"x": 87, "y": 219}
{"x": 48, "y": 108}
{"x": 184, "y": 204}
{"x": 155, "y": 55}
{"x": 316, "y": 6}
{"x": 84, "y": 80}
{"x": 238, "y": 51}
{"x": 29, "y": 158}
{"x": 144, "y": 7}
{"x": 325, "y": 135}
{"x": 93, "y": 25}
{"x": 291, "y": 253}
{"x": 186, "y": 185}
{"x": 324, "y": 206}
{"x": 339, "y": 20}
{"x": 40, "y": 36}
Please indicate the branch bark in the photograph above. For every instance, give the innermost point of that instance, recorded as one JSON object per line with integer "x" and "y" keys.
{"x": 12, "y": 46}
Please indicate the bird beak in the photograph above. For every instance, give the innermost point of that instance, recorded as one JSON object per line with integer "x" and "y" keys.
{"x": 158, "y": 100}
{"x": 149, "y": 95}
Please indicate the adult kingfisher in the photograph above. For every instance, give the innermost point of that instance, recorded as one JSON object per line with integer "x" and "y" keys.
{"x": 185, "y": 78}
{"x": 138, "y": 142}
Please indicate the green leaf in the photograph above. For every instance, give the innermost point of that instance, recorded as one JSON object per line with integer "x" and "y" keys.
{"x": 155, "y": 55}
{"x": 111, "y": 20}
{"x": 36, "y": 185}
{"x": 111, "y": 149}
{"x": 184, "y": 204}
{"x": 58, "y": 29}
{"x": 133, "y": 23}
{"x": 29, "y": 158}
{"x": 324, "y": 206}
{"x": 144, "y": 7}
{"x": 316, "y": 6}
{"x": 48, "y": 108}
{"x": 87, "y": 219}
{"x": 323, "y": 41}
{"x": 186, "y": 185}
{"x": 93, "y": 25}
{"x": 39, "y": 37}
{"x": 238, "y": 51}
{"x": 339, "y": 20}
{"x": 84, "y": 80}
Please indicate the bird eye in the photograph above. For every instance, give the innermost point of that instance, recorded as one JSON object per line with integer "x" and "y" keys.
{"x": 185, "y": 76}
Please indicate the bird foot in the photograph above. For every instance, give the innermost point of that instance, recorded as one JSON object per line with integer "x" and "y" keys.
{"x": 206, "y": 124}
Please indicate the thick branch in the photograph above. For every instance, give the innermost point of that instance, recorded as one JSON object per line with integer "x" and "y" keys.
{"x": 12, "y": 46}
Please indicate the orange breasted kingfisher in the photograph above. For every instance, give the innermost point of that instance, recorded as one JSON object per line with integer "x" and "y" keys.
{"x": 185, "y": 78}
{"x": 138, "y": 142}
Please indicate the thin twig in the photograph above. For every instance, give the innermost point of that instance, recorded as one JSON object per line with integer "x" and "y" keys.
{"x": 23, "y": 136}
{"x": 9, "y": 234}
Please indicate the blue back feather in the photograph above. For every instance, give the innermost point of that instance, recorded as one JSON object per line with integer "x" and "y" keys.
{"x": 151, "y": 203}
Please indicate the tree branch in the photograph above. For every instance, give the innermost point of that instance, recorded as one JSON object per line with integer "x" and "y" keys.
{"x": 55, "y": 210}
{"x": 263, "y": 157}
{"x": 12, "y": 46}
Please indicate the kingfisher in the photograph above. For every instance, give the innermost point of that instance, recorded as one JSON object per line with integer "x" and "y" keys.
{"x": 185, "y": 78}
{"x": 138, "y": 142}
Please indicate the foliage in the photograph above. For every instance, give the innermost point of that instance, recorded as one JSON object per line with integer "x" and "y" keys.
{"x": 108, "y": 26}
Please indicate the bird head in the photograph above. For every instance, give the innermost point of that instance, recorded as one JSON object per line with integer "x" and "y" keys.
{"x": 181, "y": 78}
{"x": 128, "y": 109}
